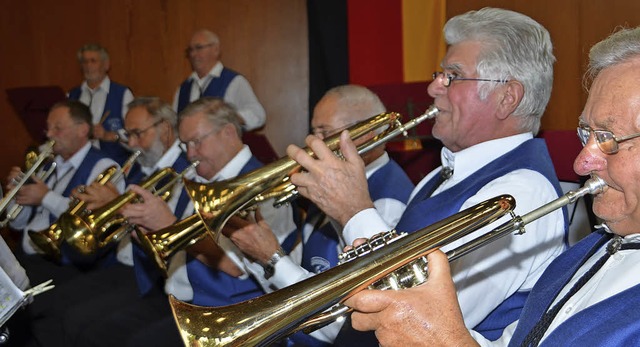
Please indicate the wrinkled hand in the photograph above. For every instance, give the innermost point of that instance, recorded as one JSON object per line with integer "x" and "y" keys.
{"x": 253, "y": 237}
{"x": 32, "y": 194}
{"x": 426, "y": 315}
{"x": 153, "y": 213}
{"x": 96, "y": 195}
{"x": 338, "y": 187}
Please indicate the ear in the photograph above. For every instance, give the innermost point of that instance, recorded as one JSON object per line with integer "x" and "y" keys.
{"x": 512, "y": 95}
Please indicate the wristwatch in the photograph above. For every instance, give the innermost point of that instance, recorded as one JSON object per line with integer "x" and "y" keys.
{"x": 270, "y": 266}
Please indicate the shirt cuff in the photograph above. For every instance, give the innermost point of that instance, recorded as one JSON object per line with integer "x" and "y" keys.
{"x": 365, "y": 223}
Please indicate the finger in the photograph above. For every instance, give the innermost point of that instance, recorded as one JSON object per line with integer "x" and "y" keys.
{"x": 348, "y": 148}
{"x": 301, "y": 156}
{"x": 319, "y": 148}
{"x": 438, "y": 266}
{"x": 369, "y": 300}
{"x": 364, "y": 321}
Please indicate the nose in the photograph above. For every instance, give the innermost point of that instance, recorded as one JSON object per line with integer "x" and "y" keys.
{"x": 133, "y": 141}
{"x": 436, "y": 87}
{"x": 590, "y": 159}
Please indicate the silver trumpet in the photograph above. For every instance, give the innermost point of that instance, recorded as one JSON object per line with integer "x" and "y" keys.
{"x": 32, "y": 163}
{"x": 387, "y": 261}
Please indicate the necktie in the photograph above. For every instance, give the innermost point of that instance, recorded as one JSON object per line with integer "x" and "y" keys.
{"x": 538, "y": 331}
{"x": 445, "y": 174}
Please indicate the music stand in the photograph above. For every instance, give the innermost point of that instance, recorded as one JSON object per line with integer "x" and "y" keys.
{"x": 32, "y": 104}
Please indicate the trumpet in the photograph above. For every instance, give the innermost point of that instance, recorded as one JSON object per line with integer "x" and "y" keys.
{"x": 49, "y": 240}
{"x": 387, "y": 262}
{"x": 32, "y": 164}
{"x": 216, "y": 202}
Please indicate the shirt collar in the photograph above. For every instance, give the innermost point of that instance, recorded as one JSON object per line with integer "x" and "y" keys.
{"x": 376, "y": 164}
{"x": 74, "y": 162}
{"x": 469, "y": 160}
{"x": 215, "y": 72}
{"x": 104, "y": 85}
{"x": 233, "y": 167}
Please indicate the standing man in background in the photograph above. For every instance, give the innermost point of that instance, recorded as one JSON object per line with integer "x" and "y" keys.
{"x": 107, "y": 100}
{"x": 211, "y": 78}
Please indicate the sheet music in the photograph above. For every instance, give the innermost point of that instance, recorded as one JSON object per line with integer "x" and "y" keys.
{"x": 11, "y": 297}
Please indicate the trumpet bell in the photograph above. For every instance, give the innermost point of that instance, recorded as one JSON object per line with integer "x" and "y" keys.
{"x": 161, "y": 245}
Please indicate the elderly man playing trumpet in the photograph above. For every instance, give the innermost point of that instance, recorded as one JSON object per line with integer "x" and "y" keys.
{"x": 496, "y": 82}
{"x": 589, "y": 295}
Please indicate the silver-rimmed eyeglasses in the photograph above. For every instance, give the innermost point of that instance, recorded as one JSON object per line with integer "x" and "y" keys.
{"x": 447, "y": 78}
{"x": 607, "y": 142}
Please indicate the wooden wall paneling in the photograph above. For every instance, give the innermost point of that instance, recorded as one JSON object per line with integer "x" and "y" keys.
{"x": 264, "y": 40}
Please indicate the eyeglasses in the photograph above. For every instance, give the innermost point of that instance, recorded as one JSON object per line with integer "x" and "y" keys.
{"x": 195, "y": 143}
{"x": 607, "y": 142}
{"x": 450, "y": 77}
{"x": 323, "y": 132}
{"x": 197, "y": 48}
{"x": 137, "y": 133}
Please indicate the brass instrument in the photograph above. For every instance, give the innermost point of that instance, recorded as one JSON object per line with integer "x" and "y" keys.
{"x": 32, "y": 164}
{"x": 226, "y": 198}
{"x": 49, "y": 240}
{"x": 396, "y": 263}
{"x": 216, "y": 202}
{"x": 88, "y": 233}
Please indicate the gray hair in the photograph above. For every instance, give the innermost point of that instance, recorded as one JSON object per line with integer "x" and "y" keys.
{"x": 516, "y": 47}
{"x": 218, "y": 112}
{"x": 93, "y": 47}
{"x": 157, "y": 108}
{"x": 355, "y": 97}
{"x": 618, "y": 48}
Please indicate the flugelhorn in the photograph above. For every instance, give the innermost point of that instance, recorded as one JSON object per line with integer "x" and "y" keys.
{"x": 388, "y": 263}
{"x": 216, "y": 202}
{"x": 33, "y": 164}
{"x": 88, "y": 233}
{"x": 49, "y": 240}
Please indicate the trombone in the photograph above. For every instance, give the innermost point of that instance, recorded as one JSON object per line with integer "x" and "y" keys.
{"x": 388, "y": 261}
{"x": 33, "y": 162}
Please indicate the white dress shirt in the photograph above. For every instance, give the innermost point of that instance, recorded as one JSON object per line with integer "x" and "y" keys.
{"x": 616, "y": 275}
{"x": 511, "y": 264}
{"x": 239, "y": 94}
{"x": 97, "y": 98}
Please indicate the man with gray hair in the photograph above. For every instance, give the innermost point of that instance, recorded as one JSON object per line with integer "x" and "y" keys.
{"x": 106, "y": 99}
{"x": 496, "y": 81}
{"x": 211, "y": 78}
{"x": 589, "y": 295}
